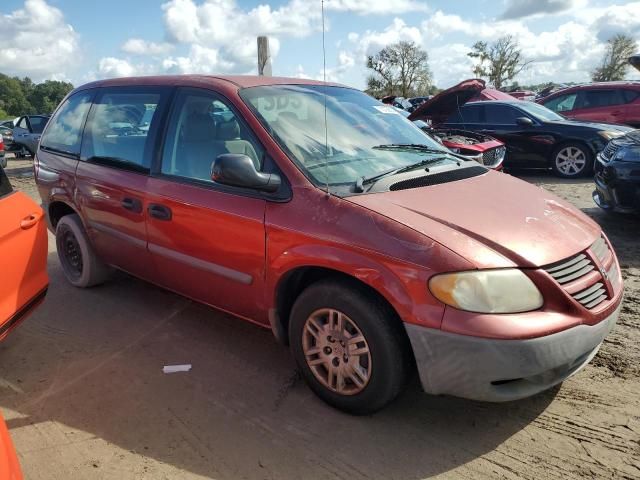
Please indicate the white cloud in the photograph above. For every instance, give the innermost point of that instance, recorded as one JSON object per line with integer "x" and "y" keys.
{"x": 117, "y": 67}
{"x": 528, "y": 8}
{"x": 379, "y": 7}
{"x": 35, "y": 40}
{"x": 138, "y": 46}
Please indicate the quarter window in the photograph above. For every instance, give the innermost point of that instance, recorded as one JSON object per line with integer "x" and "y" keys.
{"x": 630, "y": 95}
{"x": 23, "y": 123}
{"x": 117, "y": 129}
{"x": 65, "y": 127}
{"x": 201, "y": 128}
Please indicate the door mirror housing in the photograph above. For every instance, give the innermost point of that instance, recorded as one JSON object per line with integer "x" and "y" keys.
{"x": 238, "y": 170}
{"x": 524, "y": 121}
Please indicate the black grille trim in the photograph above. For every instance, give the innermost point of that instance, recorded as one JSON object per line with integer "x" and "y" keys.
{"x": 438, "y": 178}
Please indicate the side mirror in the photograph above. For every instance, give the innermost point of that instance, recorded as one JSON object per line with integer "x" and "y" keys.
{"x": 238, "y": 170}
{"x": 524, "y": 121}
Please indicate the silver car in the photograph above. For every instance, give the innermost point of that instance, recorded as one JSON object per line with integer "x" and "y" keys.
{"x": 28, "y": 130}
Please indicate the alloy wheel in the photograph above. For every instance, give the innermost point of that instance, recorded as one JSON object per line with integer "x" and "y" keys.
{"x": 336, "y": 351}
{"x": 571, "y": 161}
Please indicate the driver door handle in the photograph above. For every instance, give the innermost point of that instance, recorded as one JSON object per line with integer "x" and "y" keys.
{"x": 160, "y": 212}
{"x": 30, "y": 221}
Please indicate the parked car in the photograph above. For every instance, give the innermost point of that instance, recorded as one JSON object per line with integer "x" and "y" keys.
{"x": 23, "y": 243}
{"x": 536, "y": 137}
{"x": 9, "y": 466}
{"x": 416, "y": 102}
{"x": 617, "y": 175}
{"x": 9, "y": 145}
{"x": 482, "y": 147}
{"x": 613, "y": 102}
{"x": 323, "y": 214}
{"x": 28, "y": 130}
{"x": 8, "y": 124}
{"x": 3, "y": 159}
{"x": 523, "y": 94}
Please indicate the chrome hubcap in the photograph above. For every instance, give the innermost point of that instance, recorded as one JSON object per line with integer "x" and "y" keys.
{"x": 336, "y": 351}
{"x": 571, "y": 160}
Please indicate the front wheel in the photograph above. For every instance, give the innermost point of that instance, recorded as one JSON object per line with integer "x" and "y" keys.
{"x": 351, "y": 349}
{"x": 572, "y": 160}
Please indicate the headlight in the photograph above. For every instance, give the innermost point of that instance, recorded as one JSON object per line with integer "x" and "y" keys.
{"x": 487, "y": 291}
{"x": 628, "y": 154}
{"x": 609, "y": 134}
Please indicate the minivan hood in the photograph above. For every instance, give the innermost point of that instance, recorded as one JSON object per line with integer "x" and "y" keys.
{"x": 440, "y": 107}
{"x": 493, "y": 220}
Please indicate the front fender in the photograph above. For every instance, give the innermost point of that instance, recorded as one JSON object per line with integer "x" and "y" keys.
{"x": 402, "y": 284}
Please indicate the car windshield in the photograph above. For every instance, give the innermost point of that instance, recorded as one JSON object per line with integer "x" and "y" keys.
{"x": 359, "y": 130}
{"x": 540, "y": 112}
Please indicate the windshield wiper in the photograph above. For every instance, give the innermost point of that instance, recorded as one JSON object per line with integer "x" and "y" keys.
{"x": 409, "y": 146}
{"x": 362, "y": 181}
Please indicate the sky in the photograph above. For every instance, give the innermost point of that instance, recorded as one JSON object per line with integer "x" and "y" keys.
{"x": 80, "y": 41}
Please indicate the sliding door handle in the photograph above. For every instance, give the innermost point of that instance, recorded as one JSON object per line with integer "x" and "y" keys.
{"x": 159, "y": 211}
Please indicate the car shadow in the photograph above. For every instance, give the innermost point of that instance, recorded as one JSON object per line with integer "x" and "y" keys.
{"x": 91, "y": 360}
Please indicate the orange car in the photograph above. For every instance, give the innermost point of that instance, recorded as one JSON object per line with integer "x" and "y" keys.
{"x": 23, "y": 281}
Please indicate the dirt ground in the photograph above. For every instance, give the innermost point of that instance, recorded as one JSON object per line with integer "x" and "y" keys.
{"x": 85, "y": 398}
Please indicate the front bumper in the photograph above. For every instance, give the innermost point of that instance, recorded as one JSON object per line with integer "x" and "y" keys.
{"x": 617, "y": 185}
{"x": 502, "y": 370}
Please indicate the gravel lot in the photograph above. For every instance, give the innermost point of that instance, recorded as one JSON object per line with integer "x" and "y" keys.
{"x": 84, "y": 396}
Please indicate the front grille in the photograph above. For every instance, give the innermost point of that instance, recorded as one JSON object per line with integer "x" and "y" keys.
{"x": 492, "y": 157}
{"x": 609, "y": 151}
{"x": 582, "y": 279}
{"x": 437, "y": 178}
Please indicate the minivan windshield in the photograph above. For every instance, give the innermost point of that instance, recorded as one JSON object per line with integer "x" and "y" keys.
{"x": 363, "y": 137}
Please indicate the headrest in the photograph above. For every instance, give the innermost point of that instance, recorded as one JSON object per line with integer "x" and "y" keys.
{"x": 199, "y": 127}
{"x": 229, "y": 130}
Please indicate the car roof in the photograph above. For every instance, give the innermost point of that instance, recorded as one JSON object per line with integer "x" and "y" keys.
{"x": 239, "y": 81}
{"x": 633, "y": 84}
{"x": 515, "y": 102}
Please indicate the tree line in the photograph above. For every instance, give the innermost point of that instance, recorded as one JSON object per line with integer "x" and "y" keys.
{"x": 403, "y": 69}
{"x": 21, "y": 96}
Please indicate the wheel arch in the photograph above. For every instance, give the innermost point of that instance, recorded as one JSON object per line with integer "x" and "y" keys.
{"x": 57, "y": 209}
{"x": 291, "y": 284}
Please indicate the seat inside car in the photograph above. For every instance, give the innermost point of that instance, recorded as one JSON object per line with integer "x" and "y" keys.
{"x": 202, "y": 140}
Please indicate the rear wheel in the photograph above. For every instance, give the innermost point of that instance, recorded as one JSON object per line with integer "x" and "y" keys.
{"x": 572, "y": 160}
{"x": 81, "y": 266}
{"x": 350, "y": 348}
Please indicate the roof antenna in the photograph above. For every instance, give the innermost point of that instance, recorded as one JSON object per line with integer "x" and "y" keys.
{"x": 326, "y": 131}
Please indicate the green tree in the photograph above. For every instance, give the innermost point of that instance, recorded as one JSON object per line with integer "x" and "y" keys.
{"x": 615, "y": 62}
{"x": 20, "y": 96}
{"x": 46, "y": 96}
{"x": 500, "y": 61}
{"x": 399, "y": 69}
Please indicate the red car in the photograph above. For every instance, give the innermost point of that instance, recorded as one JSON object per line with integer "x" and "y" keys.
{"x": 483, "y": 148}
{"x": 612, "y": 102}
{"x": 317, "y": 211}
{"x": 23, "y": 282}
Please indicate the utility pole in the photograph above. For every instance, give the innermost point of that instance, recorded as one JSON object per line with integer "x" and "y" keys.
{"x": 264, "y": 57}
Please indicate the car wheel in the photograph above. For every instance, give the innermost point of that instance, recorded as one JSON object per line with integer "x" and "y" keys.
{"x": 3, "y": 162}
{"x": 351, "y": 349}
{"x": 572, "y": 160}
{"x": 81, "y": 266}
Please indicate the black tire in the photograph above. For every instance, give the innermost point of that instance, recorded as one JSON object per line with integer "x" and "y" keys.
{"x": 80, "y": 265}
{"x": 385, "y": 337}
{"x": 566, "y": 170}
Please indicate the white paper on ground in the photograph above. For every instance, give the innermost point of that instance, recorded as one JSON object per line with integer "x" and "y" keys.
{"x": 176, "y": 368}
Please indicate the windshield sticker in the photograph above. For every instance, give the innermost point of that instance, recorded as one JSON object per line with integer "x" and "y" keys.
{"x": 386, "y": 109}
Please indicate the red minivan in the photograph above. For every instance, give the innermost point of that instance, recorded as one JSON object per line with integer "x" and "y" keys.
{"x": 317, "y": 211}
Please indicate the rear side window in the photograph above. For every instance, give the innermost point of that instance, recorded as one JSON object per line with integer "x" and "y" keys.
{"x": 118, "y": 127}
{"x": 5, "y": 186}
{"x": 630, "y": 95}
{"x": 501, "y": 114}
{"x": 601, "y": 98}
{"x": 38, "y": 124}
{"x": 23, "y": 123}
{"x": 562, "y": 103}
{"x": 467, "y": 114}
{"x": 65, "y": 128}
